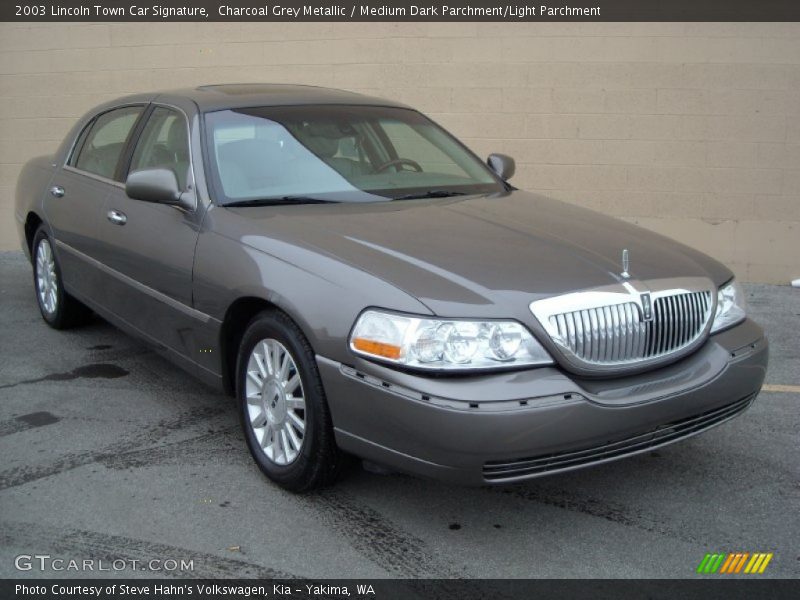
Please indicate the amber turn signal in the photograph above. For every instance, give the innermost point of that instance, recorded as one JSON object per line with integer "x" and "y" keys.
{"x": 376, "y": 348}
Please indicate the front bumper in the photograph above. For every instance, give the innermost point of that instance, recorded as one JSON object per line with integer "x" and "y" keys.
{"x": 513, "y": 426}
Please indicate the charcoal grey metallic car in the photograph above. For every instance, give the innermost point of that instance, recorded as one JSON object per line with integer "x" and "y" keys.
{"x": 365, "y": 285}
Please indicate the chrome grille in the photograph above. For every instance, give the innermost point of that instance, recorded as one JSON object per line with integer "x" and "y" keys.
{"x": 617, "y": 333}
{"x": 607, "y": 328}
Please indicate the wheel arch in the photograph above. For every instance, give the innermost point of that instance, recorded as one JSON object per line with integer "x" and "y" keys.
{"x": 32, "y": 222}
{"x": 237, "y": 317}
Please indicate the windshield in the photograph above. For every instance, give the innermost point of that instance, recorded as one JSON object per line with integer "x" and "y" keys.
{"x": 337, "y": 153}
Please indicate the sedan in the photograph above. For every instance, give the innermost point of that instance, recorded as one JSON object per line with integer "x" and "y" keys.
{"x": 366, "y": 286}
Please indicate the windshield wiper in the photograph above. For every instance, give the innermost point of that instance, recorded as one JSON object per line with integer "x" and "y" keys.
{"x": 429, "y": 194}
{"x": 281, "y": 200}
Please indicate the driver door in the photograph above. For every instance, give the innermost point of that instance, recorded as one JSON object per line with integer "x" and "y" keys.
{"x": 150, "y": 245}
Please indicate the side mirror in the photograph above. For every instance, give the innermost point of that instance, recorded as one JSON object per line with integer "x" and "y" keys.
{"x": 503, "y": 165}
{"x": 156, "y": 185}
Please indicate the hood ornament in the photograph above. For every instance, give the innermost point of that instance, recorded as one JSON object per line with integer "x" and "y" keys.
{"x": 625, "y": 265}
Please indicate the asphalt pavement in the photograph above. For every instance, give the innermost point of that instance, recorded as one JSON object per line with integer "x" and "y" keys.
{"x": 108, "y": 451}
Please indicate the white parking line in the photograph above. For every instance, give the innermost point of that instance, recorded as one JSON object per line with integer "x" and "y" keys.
{"x": 786, "y": 389}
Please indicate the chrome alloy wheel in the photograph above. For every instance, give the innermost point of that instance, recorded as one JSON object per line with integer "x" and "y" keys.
{"x": 276, "y": 403}
{"x": 46, "y": 279}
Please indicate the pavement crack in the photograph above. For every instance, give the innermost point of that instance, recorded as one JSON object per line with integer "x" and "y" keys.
{"x": 610, "y": 511}
{"x": 184, "y": 451}
{"x": 373, "y": 536}
{"x": 404, "y": 555}
{"x": 25, "y": 474}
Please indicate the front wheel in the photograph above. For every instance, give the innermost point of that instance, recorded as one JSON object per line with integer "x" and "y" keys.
{"x": 58, "y": 308}
{"x": 282, "y": 405}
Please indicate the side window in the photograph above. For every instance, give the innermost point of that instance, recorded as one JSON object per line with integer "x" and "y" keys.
{"x": 164, "y": 144}
{"x": 76, "y": 149}
{"x": 102, "y": 147}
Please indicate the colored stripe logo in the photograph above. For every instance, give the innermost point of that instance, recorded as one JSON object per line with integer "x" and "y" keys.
{"x": 734, "y": 563}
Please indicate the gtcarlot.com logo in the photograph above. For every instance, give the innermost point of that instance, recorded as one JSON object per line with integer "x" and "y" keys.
{"x": 734, "y": 563}
{"x": 46, "y": 562}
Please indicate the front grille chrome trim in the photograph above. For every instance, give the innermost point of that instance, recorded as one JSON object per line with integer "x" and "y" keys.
{"x": 604, "y": 329}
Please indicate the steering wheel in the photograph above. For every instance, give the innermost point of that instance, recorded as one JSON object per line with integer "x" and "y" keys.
{"x": 399, "y": 162}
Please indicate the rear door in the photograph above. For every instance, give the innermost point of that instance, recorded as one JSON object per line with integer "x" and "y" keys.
{"x": 150, "y": 246}
{"x": 78, "y": 193}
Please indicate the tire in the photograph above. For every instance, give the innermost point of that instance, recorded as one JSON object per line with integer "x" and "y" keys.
{"x": 271, "y": 418}
{"x": 58, "y": 308}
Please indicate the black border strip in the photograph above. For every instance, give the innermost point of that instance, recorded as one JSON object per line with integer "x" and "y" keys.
{"x": 512, "y": 11}
{"x": 709, "y": 588}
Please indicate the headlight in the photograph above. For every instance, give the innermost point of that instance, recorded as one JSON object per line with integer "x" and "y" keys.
{"x": 440, "y": 344}
{"x": 730, "y": 307}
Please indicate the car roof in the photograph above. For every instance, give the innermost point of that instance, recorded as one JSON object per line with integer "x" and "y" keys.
{"x": 241, "y": 95}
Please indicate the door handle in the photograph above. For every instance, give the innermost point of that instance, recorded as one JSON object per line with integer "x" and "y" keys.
{"x": 57, "y": 191}
{"x": 117, "y": 217}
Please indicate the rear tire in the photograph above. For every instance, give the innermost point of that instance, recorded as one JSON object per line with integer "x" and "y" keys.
{"x": 58, "y": 308}
{"x": 282, "y": 405}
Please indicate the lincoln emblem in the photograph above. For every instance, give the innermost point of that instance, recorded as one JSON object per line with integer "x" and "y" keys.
{"x": 647, "y": 307}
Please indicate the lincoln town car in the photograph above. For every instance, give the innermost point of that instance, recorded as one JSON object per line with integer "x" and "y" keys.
{"x": 366, "y": 286}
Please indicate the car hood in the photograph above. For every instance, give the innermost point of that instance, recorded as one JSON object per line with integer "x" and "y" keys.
{"x": 473, "y": 255}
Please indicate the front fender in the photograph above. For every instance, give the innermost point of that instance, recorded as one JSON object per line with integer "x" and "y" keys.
{"x": 323, "y": 296}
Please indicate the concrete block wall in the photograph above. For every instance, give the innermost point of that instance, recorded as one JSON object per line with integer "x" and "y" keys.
{"x": 689, "y": 129}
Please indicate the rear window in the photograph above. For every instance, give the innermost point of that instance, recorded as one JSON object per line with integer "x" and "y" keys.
{"x": 101, "y": 147}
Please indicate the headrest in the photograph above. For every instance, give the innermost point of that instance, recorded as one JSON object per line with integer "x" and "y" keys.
{"x": 323, "y": 146}
{"x": 176, "y": 135}
{"x": 250, "y": 151}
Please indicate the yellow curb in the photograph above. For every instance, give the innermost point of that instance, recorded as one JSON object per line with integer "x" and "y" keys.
{"x": 788, "y": 389}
